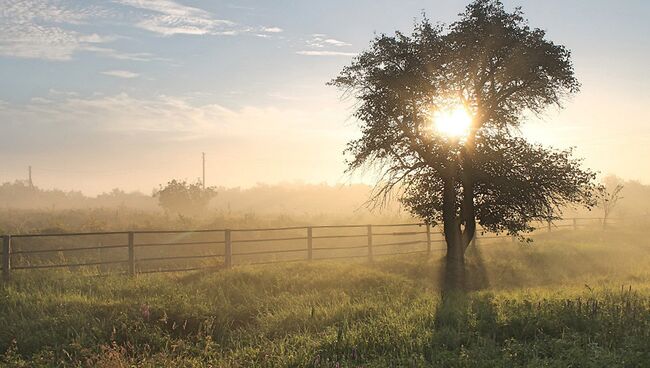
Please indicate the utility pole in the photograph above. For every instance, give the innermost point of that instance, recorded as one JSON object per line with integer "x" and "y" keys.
{"x": 31, "y": 183}
{"x": 203, "y": 159}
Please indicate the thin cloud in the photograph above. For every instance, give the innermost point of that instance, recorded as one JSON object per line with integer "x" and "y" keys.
{"x": 123, "y": 113}
{"x": 320, "y": 40}
{"x": 27, "y": 11}
{"x": 272, "y": 29}
{"x": 167, "y": 18}
{"x": 322, "y": 45}
{"x": 333, "y": 42}
{"x": 31, "y": 41}
{"x": 38, "y": 30}
{"x": 115, "y": 54}
{"x": 125, "y": 74}
{"x": 50, "y": 29}
{"x": 174, "y": 117}
{"x": 167, "y": 25}
{"x": 325, "y": 53}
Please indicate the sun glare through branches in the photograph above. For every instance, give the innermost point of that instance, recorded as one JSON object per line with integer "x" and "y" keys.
{"x": 454, "y": 122}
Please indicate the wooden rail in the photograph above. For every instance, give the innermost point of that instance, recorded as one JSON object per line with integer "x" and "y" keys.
{"x": 377, "y": 237}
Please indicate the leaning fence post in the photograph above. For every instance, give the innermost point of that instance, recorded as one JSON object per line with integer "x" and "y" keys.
{"x": 228, "y": 249}
{"x": 6, "y": 256}
{"x": 428, "y": 239}
{"x": 310, "y": 248}
{"x": 131, "y": 254}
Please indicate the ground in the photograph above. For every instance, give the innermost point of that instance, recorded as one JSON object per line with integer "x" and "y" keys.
{"x": 579, "y": 299}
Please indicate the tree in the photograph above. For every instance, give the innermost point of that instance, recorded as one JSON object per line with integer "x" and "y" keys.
{"x": 182, "y": 198}
{"x": 608, "y": 199}
{"x": 495, "y": 68}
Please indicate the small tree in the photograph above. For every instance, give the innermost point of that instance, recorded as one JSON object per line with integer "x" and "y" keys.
{"x": 493, "y": 66}
{"x": 607, "y": 200}
{"x": 183, "y": 198}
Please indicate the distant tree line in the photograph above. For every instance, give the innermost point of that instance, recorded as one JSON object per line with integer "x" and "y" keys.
{"x": 266, "y": 199}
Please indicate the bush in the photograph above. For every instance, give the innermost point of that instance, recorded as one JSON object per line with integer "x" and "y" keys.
{"x": 185, "y": 199}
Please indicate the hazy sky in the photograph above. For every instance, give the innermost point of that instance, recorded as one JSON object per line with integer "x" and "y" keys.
{"x": 128, "y": 93}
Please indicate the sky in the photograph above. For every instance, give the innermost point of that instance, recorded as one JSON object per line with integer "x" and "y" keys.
{"x": 128, "y": 93}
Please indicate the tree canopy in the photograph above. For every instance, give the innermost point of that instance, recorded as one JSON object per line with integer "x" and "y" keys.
{"x": 498, "y": 69}
{"x": 183, "y": 198}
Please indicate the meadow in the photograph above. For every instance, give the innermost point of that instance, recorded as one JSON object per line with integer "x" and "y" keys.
{"x": 572, "y": 298}
{"x": 301, "y": 184}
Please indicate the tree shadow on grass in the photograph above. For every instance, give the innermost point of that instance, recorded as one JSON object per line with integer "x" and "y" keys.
{"x": 463, "y": 315}
{"x": 476, "y": 275}
{"x": 430, "y": 272}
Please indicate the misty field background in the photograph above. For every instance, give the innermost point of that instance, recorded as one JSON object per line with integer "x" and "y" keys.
{"x": 579, "y": 297}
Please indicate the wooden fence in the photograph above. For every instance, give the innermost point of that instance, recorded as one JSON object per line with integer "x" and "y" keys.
{"x": 133, "y": 251}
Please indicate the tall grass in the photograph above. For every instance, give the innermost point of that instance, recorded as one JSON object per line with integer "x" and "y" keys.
{"x": 571, "y": 299}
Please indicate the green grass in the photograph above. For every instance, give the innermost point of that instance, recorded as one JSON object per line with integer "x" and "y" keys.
{"x": 578, "y": 299}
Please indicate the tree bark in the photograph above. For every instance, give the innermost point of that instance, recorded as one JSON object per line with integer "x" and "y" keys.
{"x": 459, "y": 228}
{"x": 454, "y": 277}
{"x": 468, "y": 212}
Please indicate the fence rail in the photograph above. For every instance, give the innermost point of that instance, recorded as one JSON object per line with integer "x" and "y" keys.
{"x": 225, "y": 245}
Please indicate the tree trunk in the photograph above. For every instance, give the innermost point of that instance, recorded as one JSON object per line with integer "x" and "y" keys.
{"x": 459, "y": 228}
{"x": 455, "y": 267}
{"x": 468, "y": 213}
{"x": 454, "y": 276}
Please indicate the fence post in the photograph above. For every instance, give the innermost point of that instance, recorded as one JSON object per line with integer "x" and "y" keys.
{"x": 370, "y": 253}
{"x": 575, "y": 224}
{"x": 131, "y": 254}
{"x": 549, "y": 224}
{"x": 428, "y": 239}
{"x": 6, "y": 257}
{"x": 310, "y": 248}
{"x": 228, "y": 249}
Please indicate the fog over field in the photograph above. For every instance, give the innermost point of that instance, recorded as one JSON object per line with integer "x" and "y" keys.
{"x": 291, "y": 199}
{"x": 324, "y": 184}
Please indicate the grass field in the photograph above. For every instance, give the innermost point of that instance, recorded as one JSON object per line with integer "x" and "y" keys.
{"x": 579, "y": 299}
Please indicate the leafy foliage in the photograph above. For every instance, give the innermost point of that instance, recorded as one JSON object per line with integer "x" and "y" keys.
{"x": 516, "y": 184}
{"x": 498, "y": 67}
{"x": 185, "y": 198}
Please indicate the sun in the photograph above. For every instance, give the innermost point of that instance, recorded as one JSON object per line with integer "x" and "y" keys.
{"x": 454, "y": 122}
